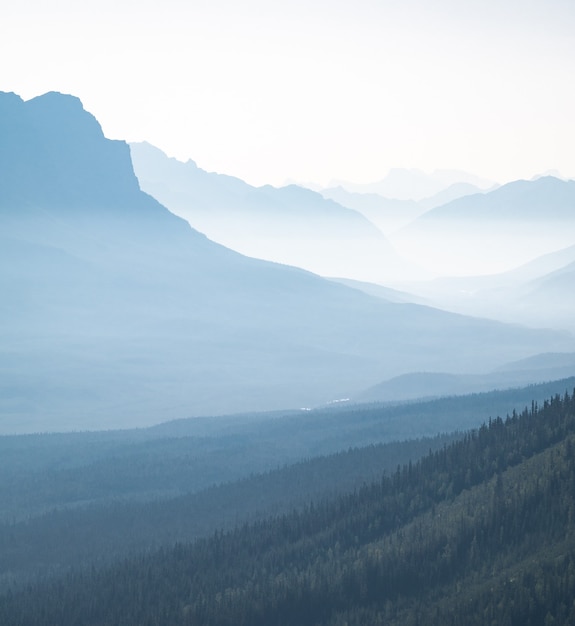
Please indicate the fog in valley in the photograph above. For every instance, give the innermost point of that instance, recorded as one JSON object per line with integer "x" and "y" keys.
{"x": 326, "y": 404}
{"x": 118, "y": 313}
{"x": 287, "y": 313}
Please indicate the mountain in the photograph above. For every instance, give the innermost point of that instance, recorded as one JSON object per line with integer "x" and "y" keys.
{"x": 389, "y": 215}
{"x": 548, "y": 362}
{"x": 289, "y": 225}
{"x": 479, "y": 532}
{"x": 549, "y": 299}
{"x": 453, "y": 192}
{"x": 540, "y": 200}
{"x": 539, "y": 293}
{"x": 414, "y": 184}
{"x": 541, "y": 367}
{"x": 115, "y": 312}
{"x": 494, "y": 231}
{"x": 177, "y": 481}
{"x": 558, "y": 283}
{"x": 150, "y": 497}
{"x": 380, "y": 291}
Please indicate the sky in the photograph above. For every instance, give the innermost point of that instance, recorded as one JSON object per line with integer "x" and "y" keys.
{"x": 312, "y": 91}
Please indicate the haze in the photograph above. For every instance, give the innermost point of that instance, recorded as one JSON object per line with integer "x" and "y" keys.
{"x": 271, "y": 278}
{"x": 312, "y": 92}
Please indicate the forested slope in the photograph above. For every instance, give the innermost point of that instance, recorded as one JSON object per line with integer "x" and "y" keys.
{"x": 102, "y": 532}
{"x": 39, "y": 473}
{"x": 479, "y": 532}
{"x": 82, "y": 499}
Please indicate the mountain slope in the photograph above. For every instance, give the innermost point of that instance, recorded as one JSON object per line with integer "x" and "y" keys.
{"x": 539, "y": 293}
{"x": 442, "y": 384}
{"x": 43, "y": 472}
{"x": 481, "y": 532}
{"x": 550, "y": 299}
{"x": 74, "y": 499}
{"x": 118, "y": 313}
{"x": 289, "y": 225}
{"x": 388, "y": 214}
{"x": 414, "y": 184}
{"x": 494, "y": 231}
{"x": 541, "y": 200}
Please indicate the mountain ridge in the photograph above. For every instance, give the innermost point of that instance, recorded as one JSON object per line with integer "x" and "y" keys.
{"x": 143, "y": 319}
{"x": 537, "y": 198}
{"x": 520, "y": 221}
{"x": 291, "y": 224}
{"x": 414, "y": 184}
{"x": 478, "y": 532}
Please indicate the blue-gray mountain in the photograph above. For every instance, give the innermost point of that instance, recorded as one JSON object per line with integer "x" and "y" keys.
{"x": 541, "y": 200}
{"x": 414, "y": 184}
{"x": 289, "y": 225}
{"x": 495, "y": 231}
{"x": 540, "y": 293}
{"x": 541, "y": 367}
{"x": 116, "y": 312}
{"x": 390, "y": 214}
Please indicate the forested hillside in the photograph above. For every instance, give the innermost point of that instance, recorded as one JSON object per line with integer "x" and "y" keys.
{"x": 479, "y": 532}
{"x": 76, "y": 499}
{"x": 107, "y": 530}
{"x": 39, "y": 473}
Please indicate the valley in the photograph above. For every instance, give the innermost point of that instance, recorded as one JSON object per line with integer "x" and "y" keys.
{"x": 230, "y": 404}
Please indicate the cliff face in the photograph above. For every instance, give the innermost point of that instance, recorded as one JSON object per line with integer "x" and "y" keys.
{"x": 58, "y": 172}
{"x": 54, "y": 153}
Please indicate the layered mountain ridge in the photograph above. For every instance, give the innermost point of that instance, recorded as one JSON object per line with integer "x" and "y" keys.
{"x": 291, "y": 224}
{"x": 116, "y": 312}
{"x": 495, "y": 231}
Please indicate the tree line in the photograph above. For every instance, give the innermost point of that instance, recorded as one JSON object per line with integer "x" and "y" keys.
{"x": 481, "y": 531}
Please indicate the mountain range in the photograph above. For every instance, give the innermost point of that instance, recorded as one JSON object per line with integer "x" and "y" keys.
{"x": 72, "y": 500}
{"x": 390, "y": 214}
{"x": 538, "y": 293}
{"x": 495, "y": 231}
{"x": 479, "y": 531}
{"x": 417, "y": 385}
{"x": 116, "y": 312}
{"x": 272, "y": 446}
{"x": 414, "y": 184}
{"x": 291, "y": 224}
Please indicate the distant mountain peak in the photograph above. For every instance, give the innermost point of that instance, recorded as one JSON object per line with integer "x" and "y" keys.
{"x": 414, "y": 184}
{"x": 552, "y": 173}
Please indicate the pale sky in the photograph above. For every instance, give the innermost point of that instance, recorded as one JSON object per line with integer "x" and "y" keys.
{"x": 312, "y": 91}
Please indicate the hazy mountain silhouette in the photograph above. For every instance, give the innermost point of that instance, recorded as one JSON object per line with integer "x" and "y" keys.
{"x": 290, "y": 225}
{"x": 388, "y": 214}
{"x": 116, "y": 312}
{"x": 380, "y": 291}
{"x": 453, "y": 192}
{"x": 419, "y": 385}
{"x": 414, "y": 184}
{"x": 539, "y": 293}
{"x": 494, "y": 231}
{"x": 543, "y": 199}
{"x": 542, "y": 265}
{"x": 550, "y": 299}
